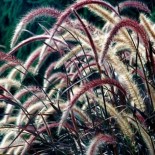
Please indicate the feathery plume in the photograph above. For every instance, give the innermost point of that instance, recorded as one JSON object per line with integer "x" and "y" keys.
{"x": 32, "y": 15}
{"x": 128, "y": 23}
{"x": 148, "y": 25}
{"x": 97, "y": 141}
{"x": 29, "y": 40}
{"x": 9, "y": 58}
{"x": 83, "y": 89}
{"x": 135, "y": 4}
{"x": 130, "y": 86}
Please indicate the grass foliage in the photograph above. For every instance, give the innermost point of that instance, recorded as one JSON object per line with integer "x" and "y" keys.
{"x": 84, "y": 89}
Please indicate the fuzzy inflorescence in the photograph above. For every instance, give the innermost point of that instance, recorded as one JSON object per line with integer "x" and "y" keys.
{"x": 84, "y": 89}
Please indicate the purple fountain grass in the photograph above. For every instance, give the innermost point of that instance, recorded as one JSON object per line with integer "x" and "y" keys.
{"x": 49, "y": 70}
{"x": 6, "y": 66}
{"x": 54, "y": 78}
{"x": 74, "y": 60}
{"x": 63, "y": 16}
{"x": 32, "y": 15}
{"x": 82, "y": 69}
{"x": 97, "y": 141}
{"x": 31, "y": 100}
{"x": 43, "y": 129}
{"x": 90, "y": 40}
{"x": 29, "y": 40}
{"x": 85, "y": 88}
{"x": 52, "y": 47}
{"x": 93, "y": 84}
{"x": 9, "y": 58}
{"x": 127, "y": 23}
{"x": 102, "y": 98}
{"x": 32, "y": 58}
{"x": 135, "y": 4}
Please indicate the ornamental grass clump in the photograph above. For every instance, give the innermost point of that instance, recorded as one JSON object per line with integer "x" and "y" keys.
{"x": 83, "y": 89}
